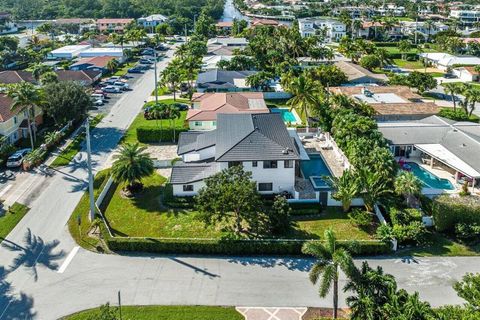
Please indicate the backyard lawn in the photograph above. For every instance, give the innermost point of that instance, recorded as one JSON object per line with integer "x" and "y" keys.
{"x": 140, "y": 121}
{"x": 11, "y": 219}
{"x": 123, "y": 70}
{"x": 408, "y": 64}
{"x": 147, "y": 216}
{"x": 167, "y": 313}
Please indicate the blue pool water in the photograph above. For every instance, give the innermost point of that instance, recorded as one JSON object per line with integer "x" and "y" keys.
{"x": 287, "y": 115}
{"x": 430, "y": 180}
{"x": 315, "y": 168}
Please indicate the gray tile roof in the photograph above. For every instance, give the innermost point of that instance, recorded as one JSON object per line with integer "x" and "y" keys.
{"x": 194, "y": 141}
{"x": 183, "y": 173}
{"x": 460, "y": 138}
{"x": 221, "y": 79}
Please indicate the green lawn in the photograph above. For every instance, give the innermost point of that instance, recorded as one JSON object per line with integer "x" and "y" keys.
{"x": 11, "y": 219}
{"x": 167, "y": 313}
{"x": 74, "y": 147}
{"x": 123, "y": 70}
{"x": 146, "y": 215}
{"x": 140, "y": 121}
{"x": 408, "y": 64}
{"x": 440, "y": 245}
{"x": 331, "y": 217}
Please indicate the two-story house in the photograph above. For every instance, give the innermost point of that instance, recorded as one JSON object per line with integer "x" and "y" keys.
{"x": 112, "y": 24}
{"x": 333, "y": 30}
{"x": 466, "y": 17}
{"x": 13, "y": 124}
{"x": 258, "y": 142}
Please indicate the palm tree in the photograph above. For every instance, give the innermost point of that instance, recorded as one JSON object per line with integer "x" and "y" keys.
{"x": 172, "y": 76}
{"x": 346, "y": 188}
{"x": 472, "y": 95}
{"x": 172, "y": 113}
{"x": 112, "y": 65}
{"x": 131, "y": 165}
{"x": 430, "y": 25}
{"x": 408, "y": 185}
{"x": 25, "y": 96}
{"x": 304, "y": 94}
{"x": 38, "y": 69}
{"x": 404, "y": 46}
{"x": 330, "y": 257}
{"x": 452, "y": 89}
{"x": 157, "y": 112}
{"x": 373, "y": 186}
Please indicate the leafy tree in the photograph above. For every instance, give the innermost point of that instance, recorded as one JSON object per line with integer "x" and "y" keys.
{"x": 469, "y": 289}
{"x": 205, "y": 26}
{"x": 330, "y": 258}
{"x": 164, "y": 29}
{"x": 328, "y": 75}
{"x": 239, "y": 62}
{"x": 238, "y": 26}
{"x": 25, "y": 97}
{"x": 131, "y": 165}
{"x": 48, "y": 77}
{"x": 66, "y": 101}
{"x": 229, "y": 198}
{"x": 370, "y": 62}
{"x": 279, "y": 219}
{"x": 419, "y": 80}
{"x": 260, "y": 80}
{"x": 408, "y": 185}
{"x": 39, "y": 69}
{"x": 346, "y": 188}
{"x": 404, "y": 46}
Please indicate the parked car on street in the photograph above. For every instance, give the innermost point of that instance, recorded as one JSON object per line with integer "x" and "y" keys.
{"x": 112, "y": 89}
{"x": 16, "y": 159}
{"x": 135, "y": 70}
{"x": 145, "y": 61}
{"x": 124, "y": 86}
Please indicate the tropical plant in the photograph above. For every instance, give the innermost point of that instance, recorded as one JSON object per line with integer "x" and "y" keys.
{"x": 172, "y": 76}
{"x": 25, "y": 97}
{"x": 130, "y": 165}
{"x": 172, "y": 113}
{"x": 112, "y": 65}
{"x": 330, "y": 258}
{"x": 453, "y": 89}
{"x": 373, "y": 187}
{"x": 48, "y": 77}
{"x": 408, "y": 185}
{"x": 304, "y": 91}
{"x": 404, "y": 46}
{"x": 469, "y": 289}
{"x": 346, "y": 188}
{"x": 53, "y": 137}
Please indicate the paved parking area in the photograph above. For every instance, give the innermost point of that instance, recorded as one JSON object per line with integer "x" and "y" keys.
{"x": 258, "y": 313}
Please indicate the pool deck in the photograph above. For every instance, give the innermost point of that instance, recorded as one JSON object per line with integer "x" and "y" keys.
{"x": 438, "y": 171}
{"x": 332, "y": 160}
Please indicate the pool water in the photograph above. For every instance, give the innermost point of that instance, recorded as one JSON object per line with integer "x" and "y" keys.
{"x": 287, "y": 115}
{"x": 315, "y": 168}
{"x": 429, "y": 179}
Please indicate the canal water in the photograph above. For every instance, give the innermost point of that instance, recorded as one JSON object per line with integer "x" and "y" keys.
{"x": 230, "y": 12}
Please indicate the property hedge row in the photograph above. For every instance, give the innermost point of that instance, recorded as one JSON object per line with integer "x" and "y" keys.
{"x": 391, "y": 44}
{"x": 230, "y": 247}
{"x": 448, "y": 211}
{"x": 155, "y": 135}
{"x": 406, "y": 56}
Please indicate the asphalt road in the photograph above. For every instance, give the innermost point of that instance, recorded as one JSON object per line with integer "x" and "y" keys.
{"x": 44, "y": 275}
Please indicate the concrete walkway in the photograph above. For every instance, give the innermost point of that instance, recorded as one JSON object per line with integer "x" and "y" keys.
{"x": 256, "y": 313}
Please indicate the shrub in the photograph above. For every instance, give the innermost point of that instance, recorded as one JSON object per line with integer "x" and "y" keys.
{"x": 231, "y": 247}
{"x": 155, "y": 135}
{"x": 414, "y": 232}
{"x": 457, "y": 115}
{"x": 405, "y": 216}
{"x": 448, "y": 211}
{"x": 360, "y": 218}
{"x": 467, "y": 232}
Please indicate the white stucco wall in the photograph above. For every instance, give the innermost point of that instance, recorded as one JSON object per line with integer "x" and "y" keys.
{"x": 283, "y": 179}
{"x": 178, "y": 189}
{"x": 202, "y": 125}
{"x": 199, "y": 155}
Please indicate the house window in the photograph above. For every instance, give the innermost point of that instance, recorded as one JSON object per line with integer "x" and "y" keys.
{"x": 214, "y": 123}
{"x": 198, "y": 123}
{"x": 15, "y": 120}
{"x": 288, "y": 164}
{"x": 265, "y": 186}
{"x": 254, "y": 164}
{"x": 234, "y": 163}
{"x": 187, "y": 187}
{"x": 270, "y": 164}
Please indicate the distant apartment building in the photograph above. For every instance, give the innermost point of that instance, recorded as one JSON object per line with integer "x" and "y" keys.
{"x": 332, "y": 29}
{"x": 152, "y": 21}
{"x": 113, "y": 24}
{"x": 409, "y": 27}
{"x": 391, "y": 9}
{"x": 466, "y": 17}
{"x": 356, "y": 12}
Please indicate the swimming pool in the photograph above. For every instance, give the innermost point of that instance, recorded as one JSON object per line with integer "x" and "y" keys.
{"x": 314, "y": 169}
{"x": 429, "y": 179}
{"x": 287, "y": 115}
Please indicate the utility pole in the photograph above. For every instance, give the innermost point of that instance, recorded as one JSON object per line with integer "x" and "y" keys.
{"x": 156, "y": 80}
{"x": 186, "y": 34}
{"x": 90, "y": 174}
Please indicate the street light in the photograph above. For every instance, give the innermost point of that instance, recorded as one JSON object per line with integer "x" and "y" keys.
{"x": 90, "y": 173}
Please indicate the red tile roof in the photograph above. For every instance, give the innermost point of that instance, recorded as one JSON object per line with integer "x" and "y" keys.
{"x": 9, "y": 77}
{"x": 122, "y": 21}
{"x": 5, "y": 108}
{"x": 264, "y": 22}
{"x": 224, "y": 24}
{"x": 99, "y": 62}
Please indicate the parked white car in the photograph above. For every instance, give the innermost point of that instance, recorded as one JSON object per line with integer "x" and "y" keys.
{"x": 16, "y": 159}
{"x": 112, "y": 89}
{"x": 122, "y": 85}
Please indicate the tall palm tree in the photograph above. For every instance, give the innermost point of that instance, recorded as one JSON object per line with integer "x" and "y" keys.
{"x": 408, "y": 185}
{"x": 472, "y": 95}
{"x": 172, "y": 76}
{"x": 157, "y": 112}
{"x": 346, "y": 188}
{"x": 304, "y": 91}
{"x": 25, "y": 97}
{"x": 112, "y": 65}
{"x": 131, "y": 165}
{"x": 330, "y": 258}
{"x": 373, "y": 186}
{"x": 172, "y": 113}
{"x": 453, "y": 89}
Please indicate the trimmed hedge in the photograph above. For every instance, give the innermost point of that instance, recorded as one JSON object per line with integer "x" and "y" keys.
{"x": 448, "y": 211}
{"x": 231, "y": 247}
{"x": 155, "y": 135}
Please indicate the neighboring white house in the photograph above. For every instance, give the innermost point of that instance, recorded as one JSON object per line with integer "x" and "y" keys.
{"x": 466, "y": 17}
{"x": 102, "y": 52}
{"x": 152, "y": 21}
{"x": 68, "y": 52}
{"x": 206, "y": 107}
{"x": 409, "y": 27}
{"x": 6, "y": 24}
{"x": 443, "y": 61}
{"x": 228, "y": 41}
{"x": 211, "y": 62}
{"x": 332, "y": 29}
{"x": 259, "y": 142}
{"x": 467, "y": 74}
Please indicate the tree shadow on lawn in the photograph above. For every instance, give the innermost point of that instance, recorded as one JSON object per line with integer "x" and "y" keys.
{"x": 151, "y": 199}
